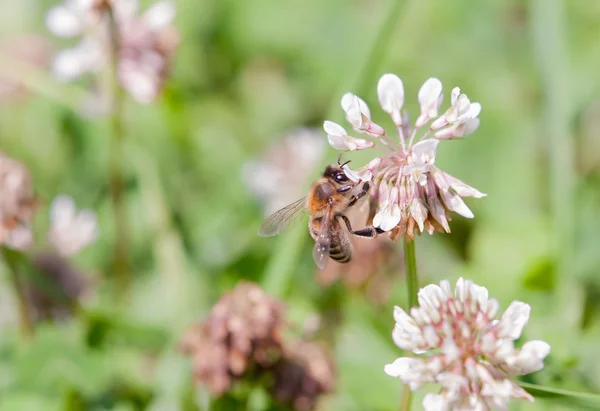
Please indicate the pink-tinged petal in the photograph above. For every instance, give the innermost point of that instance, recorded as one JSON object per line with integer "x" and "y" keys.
{"x": 462, "y": 189}
{"x": 453, "y": 202}
{"x": 513, "y": 320}
{"x": 390, "y": 91}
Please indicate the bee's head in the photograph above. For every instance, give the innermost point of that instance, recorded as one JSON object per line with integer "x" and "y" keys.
{"x": 336, "y": 174}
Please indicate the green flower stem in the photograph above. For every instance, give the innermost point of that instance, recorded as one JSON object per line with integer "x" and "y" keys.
{"x": 412, "y": 285}
{"x": 410, "y": 261}
{"x": 116, "y": 175}
{"x": 11, "y": 260}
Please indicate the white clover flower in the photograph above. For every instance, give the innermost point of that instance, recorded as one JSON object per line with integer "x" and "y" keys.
{"x": 415, "y": 194}
{"x": 70, "y": 231}
{"x": 469, "y": 352}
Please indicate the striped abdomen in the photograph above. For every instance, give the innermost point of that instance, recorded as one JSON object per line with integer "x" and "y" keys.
{"x": 340, "y": 247}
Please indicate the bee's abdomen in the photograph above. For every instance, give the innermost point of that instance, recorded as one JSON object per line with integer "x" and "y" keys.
{"x": 340, "y": 254}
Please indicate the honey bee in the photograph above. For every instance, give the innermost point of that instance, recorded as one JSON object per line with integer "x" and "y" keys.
{"x": 326, "y": 203}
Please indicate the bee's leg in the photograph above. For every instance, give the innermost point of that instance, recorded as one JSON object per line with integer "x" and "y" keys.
{"x": 368, "y": 231}
{"x": 361, "y": 194}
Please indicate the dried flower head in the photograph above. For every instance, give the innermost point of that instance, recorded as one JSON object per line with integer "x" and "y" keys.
{"x": 304, "y": 374}
{"x": 240, "y": 334}
{"x": 410, "y": 192}
{"x": 70, "y": 230}
{"x": 146, "y": 43}
{"x": 279, "y": 176}
{"x": 472, "y": 354}
{"x": 17, "y": 204}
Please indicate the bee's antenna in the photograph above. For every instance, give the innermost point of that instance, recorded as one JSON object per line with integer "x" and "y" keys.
{"x": 340, "y": 159}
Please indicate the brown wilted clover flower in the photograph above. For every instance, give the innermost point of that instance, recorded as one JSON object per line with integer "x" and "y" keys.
{"x": 17, "y": 204}
{"x": 146, "y": 43}
{"x": 304, "y": 374}
{"x": 240, "y": 335}
{"x": 410, "y": 192}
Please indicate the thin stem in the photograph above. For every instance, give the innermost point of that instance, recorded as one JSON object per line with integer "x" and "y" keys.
{"x": 116, "y": 178}
{"x": 406, "y": 401}
{"x": 410, "y": 262}
{"x": 10, "y": 258}
{"x": 394, "y": 144}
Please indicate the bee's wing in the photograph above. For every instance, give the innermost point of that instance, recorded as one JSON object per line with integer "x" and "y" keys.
{"x": 323, "y": 241}
{"x": 282, "y": 219}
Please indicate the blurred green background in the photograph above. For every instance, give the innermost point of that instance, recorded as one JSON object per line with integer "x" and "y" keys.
{"x": 247, "y": 72}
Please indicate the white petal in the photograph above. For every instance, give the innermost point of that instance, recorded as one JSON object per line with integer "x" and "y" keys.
{"x": 159, "y": 15}
{"x": 473, "y": 111}
{"x": 404, "y": 320}
{"x": 334, "y": 129}
{"x": 426, "y": 148}
{"x": 390, "y": 91}
{"x": 350, "y": 100}
{"x": 429, "y": 99}
{"x": 531, "y": 357}
{"x": 454, "y": 95}
{"x": 454, "y": 203}
{"x": 337, "y": 142}
{"x": 63, "y": 21}
{"x": 407, "y": 369}
{"x": 513, "y": 320}
{"x": 462, "y": 189}
{"x": 357, "y": 175}
{"x": 435, "y": 402}
{"x": 390, "y": 219}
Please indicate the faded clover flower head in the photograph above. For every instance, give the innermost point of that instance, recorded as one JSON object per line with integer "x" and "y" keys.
{"x": 242, "y": 332}
{"x": 471, "y": 353}
{"x": 70, "y": 230}
{"x": 17, "y": 204}
{"x": 146, "y": 43}
{"x": 410, "y": 192}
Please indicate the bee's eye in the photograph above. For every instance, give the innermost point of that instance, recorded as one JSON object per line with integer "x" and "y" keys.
{"x": 340, "y": 177}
